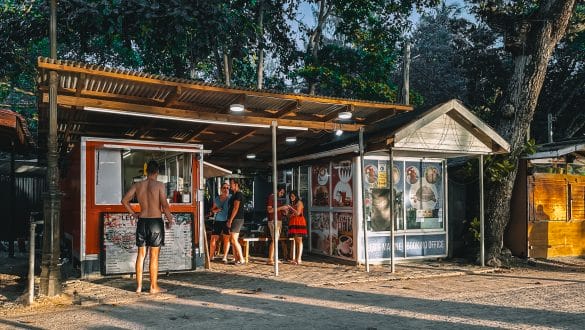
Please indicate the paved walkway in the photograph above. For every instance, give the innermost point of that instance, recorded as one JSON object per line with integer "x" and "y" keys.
{"x": 314, "y": 272}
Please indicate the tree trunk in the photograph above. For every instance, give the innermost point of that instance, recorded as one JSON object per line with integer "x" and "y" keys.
{"x": 227, "y": 70}
{"x": 260, "y": 67}
{"x": 518, "y": 105}
{"x": 315, "y": 40}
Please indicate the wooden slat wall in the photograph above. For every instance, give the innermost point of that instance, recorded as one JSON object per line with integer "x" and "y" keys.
{"x": 550, "y": 232}
{"x": 556, "y": 238}
{"x": 578, "y": 200}
{"x": 548, "y": 197}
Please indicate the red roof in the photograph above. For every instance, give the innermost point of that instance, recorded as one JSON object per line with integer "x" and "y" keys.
{"x": 13, "y": 128}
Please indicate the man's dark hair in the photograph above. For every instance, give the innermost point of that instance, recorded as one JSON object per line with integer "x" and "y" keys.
{"x": 236, "y": 181}
{"x": 280, "y": 187}
{"x": 152, "y": 167}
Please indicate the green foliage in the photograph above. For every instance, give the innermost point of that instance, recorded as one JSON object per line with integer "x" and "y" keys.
{"x": 475, "y": 229}
{"x": 353, "y": 73}
{"x": 362, "y": 30}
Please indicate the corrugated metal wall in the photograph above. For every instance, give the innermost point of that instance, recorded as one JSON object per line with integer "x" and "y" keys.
{"x": 27, "y": 198}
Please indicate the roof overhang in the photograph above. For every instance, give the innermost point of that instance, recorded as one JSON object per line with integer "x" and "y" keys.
{"x": 116, "y": 103}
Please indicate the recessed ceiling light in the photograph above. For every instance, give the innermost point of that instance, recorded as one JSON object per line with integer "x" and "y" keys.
{"x": 236, "y": 107}
{"x": 291, "y": 139}
{"x": 338, "y": 132}
{"x": 251, "y": 156}
{"x": 344, "y": 115}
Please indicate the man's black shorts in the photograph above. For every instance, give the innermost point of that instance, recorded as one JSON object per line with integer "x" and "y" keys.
{"x": 220, "y": 228}
{"x": 150, "y": 232}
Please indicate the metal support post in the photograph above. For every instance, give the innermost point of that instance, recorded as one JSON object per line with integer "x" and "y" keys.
{"x": 390, "y": 175}
{"x": 31, "y": 260}
{"x": 276, "y": 235}
{"x": 50, "y": 269}
{"x": 362, "y": 188}
{"x": 481, "y": 214}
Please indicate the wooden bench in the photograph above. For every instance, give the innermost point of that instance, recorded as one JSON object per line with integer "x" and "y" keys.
{"x": 245, "y": 242}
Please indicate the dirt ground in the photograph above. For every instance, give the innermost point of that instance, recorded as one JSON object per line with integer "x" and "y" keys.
{"x": 318, "y": 294}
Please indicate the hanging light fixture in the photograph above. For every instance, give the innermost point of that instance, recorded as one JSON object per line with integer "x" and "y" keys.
{"x": 251, "y": 156}
{"x": 344, "y": 115}
{"x": 338, "y": 132}
{"x": 291, "y": 139}
{"x": 236, "y": 107}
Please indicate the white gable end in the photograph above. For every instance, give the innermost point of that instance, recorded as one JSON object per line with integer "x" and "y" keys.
{"x": 442, "y": 134}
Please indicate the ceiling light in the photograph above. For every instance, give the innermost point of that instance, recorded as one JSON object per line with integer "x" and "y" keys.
{"x": 251, "y": 156}
{"x": 344, "y": 115}
{"x": 339, "y": 132}
{"x": 291, "y": 139}
{"x": 236, "y": 107}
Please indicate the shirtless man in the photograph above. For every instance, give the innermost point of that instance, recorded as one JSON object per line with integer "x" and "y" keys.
{"x": 150, "y": 230}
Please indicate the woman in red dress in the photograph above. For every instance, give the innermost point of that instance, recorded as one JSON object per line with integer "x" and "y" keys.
{"x": 297, "y": 225}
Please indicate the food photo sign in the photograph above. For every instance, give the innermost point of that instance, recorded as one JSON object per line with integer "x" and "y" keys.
{"x": 320, "y": 232}
{"x": 342, "y": 235}
{"x": 320, "y": 184}
{"x": 119, "y": 244}
{"x": 341, "y": 181}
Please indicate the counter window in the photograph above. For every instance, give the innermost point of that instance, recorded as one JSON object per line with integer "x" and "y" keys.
{"x": 118, "y": 169}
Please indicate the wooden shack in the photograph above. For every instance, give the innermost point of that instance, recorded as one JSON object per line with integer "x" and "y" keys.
{"x": 548, "y": 203}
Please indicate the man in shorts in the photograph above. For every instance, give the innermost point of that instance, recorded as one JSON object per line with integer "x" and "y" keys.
{"x": 281, "y": 209}
{"x": 150, "y": 232}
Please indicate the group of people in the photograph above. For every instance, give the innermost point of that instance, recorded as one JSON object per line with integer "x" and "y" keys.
{"x": 228, "y": 208}
{"x": 229, "y": 218}
{"x": 297, "y": 224}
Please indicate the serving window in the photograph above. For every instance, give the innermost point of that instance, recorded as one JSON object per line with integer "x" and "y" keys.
{"x": 117, "y": 169}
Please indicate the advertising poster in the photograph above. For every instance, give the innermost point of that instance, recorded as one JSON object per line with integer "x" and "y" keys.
{"x": 321, "y": 232}
{"x": 119, "y": 244}
{"x": 341, "y": 181}
{"x": 424, "y": 195}
{"x": 320, "y": 177}
{"x": 342, "y": 235}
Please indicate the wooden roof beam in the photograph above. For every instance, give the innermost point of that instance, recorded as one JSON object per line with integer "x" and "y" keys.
{"x": 195, "y": 115}
{"x": 333, "y": 114}
{"x": 288, "y": 109}
{"x": 172, "y": 98}
{"x": 242, "y": 136}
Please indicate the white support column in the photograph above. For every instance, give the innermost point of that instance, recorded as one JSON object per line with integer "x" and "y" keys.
{"x": 361, "y": 137}
{"x": 275, "y": 194}
{"x": 481, "y": 214}
{"x": 390, "y": 175}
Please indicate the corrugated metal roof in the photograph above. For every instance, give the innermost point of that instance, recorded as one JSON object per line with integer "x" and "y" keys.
{"x": 83, "y": 86}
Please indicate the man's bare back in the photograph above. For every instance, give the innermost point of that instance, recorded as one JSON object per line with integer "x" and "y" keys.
{"x": 151, "y": 197}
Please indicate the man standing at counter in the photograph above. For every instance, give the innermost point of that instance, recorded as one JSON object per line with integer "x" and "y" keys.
{"x": 150, "y": 230}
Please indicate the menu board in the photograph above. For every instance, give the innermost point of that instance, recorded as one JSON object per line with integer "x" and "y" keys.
{"x": 119, "y": 244}
{"x": 342, "y": 235}
{"x": 341, "y": 181}
{"x": 320, "y": 184}
{"x": 320, "y": 232}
